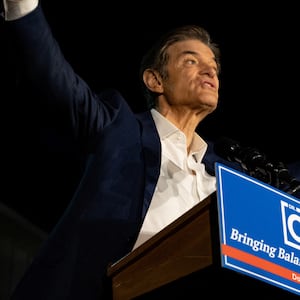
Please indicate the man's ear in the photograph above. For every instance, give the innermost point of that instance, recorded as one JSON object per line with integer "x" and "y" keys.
{"x": 153, "y": 81}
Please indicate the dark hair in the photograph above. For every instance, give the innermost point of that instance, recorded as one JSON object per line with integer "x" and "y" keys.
{"x": 157, "y": 58}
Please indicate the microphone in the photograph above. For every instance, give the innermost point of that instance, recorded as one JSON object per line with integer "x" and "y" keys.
{"x": 255, "y": 164}
{"x": 251, "y": 160}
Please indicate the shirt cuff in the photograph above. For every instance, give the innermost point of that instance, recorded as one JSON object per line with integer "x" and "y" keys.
{"x": 18, "y": 8}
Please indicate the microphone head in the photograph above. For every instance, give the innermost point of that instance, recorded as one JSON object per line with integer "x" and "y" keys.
{"x": 227, "y": 149}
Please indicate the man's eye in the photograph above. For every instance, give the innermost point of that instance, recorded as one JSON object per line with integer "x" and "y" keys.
{"x": 191, "y": 61}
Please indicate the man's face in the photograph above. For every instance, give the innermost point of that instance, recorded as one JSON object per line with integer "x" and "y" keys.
{"x": 192, "y": 76}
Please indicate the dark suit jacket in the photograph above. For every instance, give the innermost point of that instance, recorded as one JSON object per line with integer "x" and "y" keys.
{"x": 103, "y": 220}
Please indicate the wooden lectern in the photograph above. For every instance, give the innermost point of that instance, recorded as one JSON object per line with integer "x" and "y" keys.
{"x": 183, "y": 247}
{"x": 182, "y": 260}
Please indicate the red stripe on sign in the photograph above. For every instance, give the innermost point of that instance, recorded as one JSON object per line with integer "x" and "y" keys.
{"x": 260, "y": 263}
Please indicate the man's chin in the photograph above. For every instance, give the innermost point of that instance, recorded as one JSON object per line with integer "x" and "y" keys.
{"x": 210, "y": 106}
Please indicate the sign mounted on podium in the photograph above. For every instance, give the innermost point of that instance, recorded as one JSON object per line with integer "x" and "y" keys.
{"x": 259, "y": 229}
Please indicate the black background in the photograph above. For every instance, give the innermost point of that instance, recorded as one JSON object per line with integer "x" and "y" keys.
{"x": 259, "y": 97}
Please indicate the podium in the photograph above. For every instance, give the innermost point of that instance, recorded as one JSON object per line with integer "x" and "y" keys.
{"x": 183, "y": 261}
{"x": 183, "y": 247}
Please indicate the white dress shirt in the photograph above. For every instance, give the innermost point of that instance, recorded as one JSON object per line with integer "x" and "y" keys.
{"x": 183, "y": 181}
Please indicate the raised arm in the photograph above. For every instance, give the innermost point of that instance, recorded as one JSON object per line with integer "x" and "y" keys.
{"x": 47, "y": 72}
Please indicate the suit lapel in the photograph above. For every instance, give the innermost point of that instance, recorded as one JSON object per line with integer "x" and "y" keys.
{"x": 152, "y": 154}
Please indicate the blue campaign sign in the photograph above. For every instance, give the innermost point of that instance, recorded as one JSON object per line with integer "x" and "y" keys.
{"x": 259, "y": 229}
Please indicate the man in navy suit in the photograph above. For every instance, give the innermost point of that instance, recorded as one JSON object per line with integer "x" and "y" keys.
{"x": 142, "y": 171}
